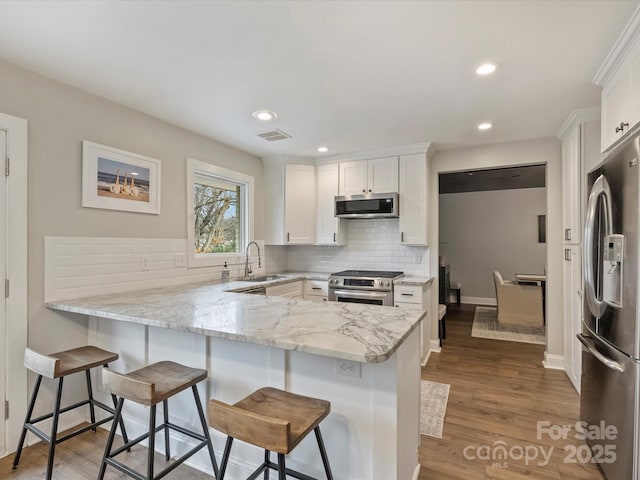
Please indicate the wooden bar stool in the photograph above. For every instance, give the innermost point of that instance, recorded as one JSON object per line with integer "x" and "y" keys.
{"x": 274, "y": 420}
{"x": 59, "y": 365}
{"x": 149, "y": 386}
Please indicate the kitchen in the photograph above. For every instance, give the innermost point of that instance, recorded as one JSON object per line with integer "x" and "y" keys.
{"x": 61, "y": 117}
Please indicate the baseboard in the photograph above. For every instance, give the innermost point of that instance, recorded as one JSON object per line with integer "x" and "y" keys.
{"x": 554, "y": 362}
{"x": 416, "y": 472}
{"x": 490, "y": 302}
{"x": 434, "y": 347}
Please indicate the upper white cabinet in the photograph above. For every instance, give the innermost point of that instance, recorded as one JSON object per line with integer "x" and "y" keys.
{"x": 571, "y": 185}
{"x": 413, "y": 199}
{"x": 619, "y": 76}
{"x": 379, "y": 175}
{"x": 327, "y": 225}
{"x": 579, "y": 136}
{"x": 290, "y": 204}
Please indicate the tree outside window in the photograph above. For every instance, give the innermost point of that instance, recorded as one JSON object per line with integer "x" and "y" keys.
{"x": 217, "y": 206}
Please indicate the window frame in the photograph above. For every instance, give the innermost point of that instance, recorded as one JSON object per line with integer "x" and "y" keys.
{"x": 197, "y": 167}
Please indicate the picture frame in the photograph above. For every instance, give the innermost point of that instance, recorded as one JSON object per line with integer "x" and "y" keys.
{"x": 114, "y": 179}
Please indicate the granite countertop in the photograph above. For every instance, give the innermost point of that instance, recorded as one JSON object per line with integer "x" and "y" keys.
{"x": 349, "y": 331}
{"x": 413, "y": 280}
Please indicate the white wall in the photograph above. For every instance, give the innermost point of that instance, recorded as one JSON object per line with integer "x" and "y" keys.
{"x": 527, "y": 152}
{"x": 492, "y": 230}
{"x": 59, "y": 118}
{"x": 372, "y": 244}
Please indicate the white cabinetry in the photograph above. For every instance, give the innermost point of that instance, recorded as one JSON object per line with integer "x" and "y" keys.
{"x": 413, "y": 199}
{"x": 619, "y": 76}
{"x": 572, "y": 292}
{"x": 290, "y": 204}
{"x": 316, "y": 290}
{"x": 580, "y": 153}
{"x": 327, "y": 224}
{"x": 571, "y": 199}
{"x": 379, "y": 175}
{"x": 416, "y": 297}
{"x": 289, "y": 290}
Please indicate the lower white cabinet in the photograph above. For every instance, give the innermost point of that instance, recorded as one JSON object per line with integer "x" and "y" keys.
{"x": 572, "y": 292}
{"x": 416, "y": 297}
{"x": 289, "y": 290}
{"x": 316, "y": 290}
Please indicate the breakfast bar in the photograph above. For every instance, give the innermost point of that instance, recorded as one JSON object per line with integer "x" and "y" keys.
{"x": 364, "y": 359}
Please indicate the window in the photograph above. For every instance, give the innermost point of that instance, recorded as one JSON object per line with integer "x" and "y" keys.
{"x": 219, "y": 213}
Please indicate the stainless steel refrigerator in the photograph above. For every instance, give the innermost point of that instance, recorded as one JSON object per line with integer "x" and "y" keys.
{"x": 611, "y": 348}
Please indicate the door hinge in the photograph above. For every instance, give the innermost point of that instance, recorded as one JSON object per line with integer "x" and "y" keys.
{"x": 6, "y": 167}
{"x": 6, "y": 288}
{"x": 6, "y": 409}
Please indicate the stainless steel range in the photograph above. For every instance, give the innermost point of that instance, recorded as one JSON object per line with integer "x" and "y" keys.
{"x": 363, "y": 286}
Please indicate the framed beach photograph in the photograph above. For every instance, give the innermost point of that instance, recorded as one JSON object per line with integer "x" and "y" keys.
{"x": 119, "y": 180}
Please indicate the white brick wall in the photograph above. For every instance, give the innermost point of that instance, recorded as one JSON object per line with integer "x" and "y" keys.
{"x": 371, "y": 245}
{"x": 78, "y": 267}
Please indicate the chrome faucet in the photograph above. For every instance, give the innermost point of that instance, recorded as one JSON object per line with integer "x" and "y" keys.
{"x": 247, "y": 268}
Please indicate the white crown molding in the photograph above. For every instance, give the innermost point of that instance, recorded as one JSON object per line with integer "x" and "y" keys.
{"x": 627, "y": 39}
{"x": 584, "y": 115}
{"x": 424, "y": 147}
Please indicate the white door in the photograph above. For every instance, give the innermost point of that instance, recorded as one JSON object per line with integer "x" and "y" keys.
{"x": 3, "y": 310}
{"x": 300, "y": 204}
{"x": 353, "y": 178}
{"x": 327, "y": 225}
{"x": 382, "y": 175}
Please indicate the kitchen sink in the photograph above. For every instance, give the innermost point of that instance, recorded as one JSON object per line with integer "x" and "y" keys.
{"x": 264, "y": 278}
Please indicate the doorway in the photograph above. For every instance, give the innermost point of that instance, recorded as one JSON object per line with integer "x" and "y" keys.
{"x": 13, "y": 264}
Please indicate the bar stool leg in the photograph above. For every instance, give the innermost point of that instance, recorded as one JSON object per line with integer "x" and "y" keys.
{"x": 27, "y": 419}
{"x": 323, "y": 453}
{"x": 112, "y": 436}
{"x": 152, "y": 441}
{"x": 92, "y": 410}
{"x": 267, "y": 461}
{"x": 205, "y": 429}
{"x": 225, "y": 457}
{"x": 282, "y": 471}
{"x": 54, "y": 429}
{"x": 125, "y": 437}
{"x": 165, "y": 409}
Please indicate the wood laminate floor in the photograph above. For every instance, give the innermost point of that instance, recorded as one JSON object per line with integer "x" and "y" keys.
{"x": 499, "y": 390}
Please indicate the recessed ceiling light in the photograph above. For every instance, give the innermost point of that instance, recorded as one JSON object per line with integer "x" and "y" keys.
{"x": 486, "y": 69}
{"x": 264, "y": 115}
{"x": 323, "y": 149}
{"x": 485, "y": 126}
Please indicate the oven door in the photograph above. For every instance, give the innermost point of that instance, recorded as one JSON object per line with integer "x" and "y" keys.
{"x": 361, "y": 296}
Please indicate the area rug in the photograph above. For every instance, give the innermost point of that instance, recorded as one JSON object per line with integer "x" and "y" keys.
{"x": 433, "y": 405}
{"x": 485, "y": 325}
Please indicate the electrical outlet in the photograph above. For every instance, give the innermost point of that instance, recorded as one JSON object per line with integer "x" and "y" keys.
{"x": 347, "y": 368}
{"x": 144, "y": 262}
{"x": 179, "y": 260}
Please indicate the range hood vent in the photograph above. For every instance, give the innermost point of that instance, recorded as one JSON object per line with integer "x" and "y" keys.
{"x": 273, "y": 135}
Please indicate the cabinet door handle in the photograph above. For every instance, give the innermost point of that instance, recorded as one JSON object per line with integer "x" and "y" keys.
{"x": 407, "y": 294}
{"x": 567, "y": 254}
{"x": 369, "y": 190}
{"x": 287, "y": 236}
{"x": 334, "y": 237}
{"x": 364, "y": 191}
{"x": 316, "y": 288}
{"x": 401, "y": 236}
{"x": 567, "y": 234}
{"x": 621, "y": 127}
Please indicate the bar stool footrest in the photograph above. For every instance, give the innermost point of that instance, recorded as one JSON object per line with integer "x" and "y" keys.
{"x": 177, "y": 462}
{"x": 274, "y": 466}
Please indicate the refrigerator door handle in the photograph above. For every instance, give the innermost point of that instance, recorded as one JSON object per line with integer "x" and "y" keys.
{"x": 590, "y": 344}
{"x": 600, "y": 188}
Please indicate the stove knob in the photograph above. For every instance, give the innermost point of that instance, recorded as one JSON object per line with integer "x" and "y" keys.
{"x": 388, "y": 284}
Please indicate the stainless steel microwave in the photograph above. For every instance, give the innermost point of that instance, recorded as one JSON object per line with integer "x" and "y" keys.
{"x": 370, "y": 205}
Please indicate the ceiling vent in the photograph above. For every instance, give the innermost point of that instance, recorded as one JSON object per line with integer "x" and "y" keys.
{"x": 273, "y": 135}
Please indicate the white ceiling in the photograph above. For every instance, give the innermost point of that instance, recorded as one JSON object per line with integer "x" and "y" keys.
{"x": 354, "y": 76}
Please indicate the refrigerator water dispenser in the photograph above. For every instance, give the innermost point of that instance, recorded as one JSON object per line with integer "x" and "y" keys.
{"x": 612, "y": 270}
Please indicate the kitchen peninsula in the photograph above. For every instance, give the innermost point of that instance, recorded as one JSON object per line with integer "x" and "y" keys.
{"x": 363, "y": 359}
